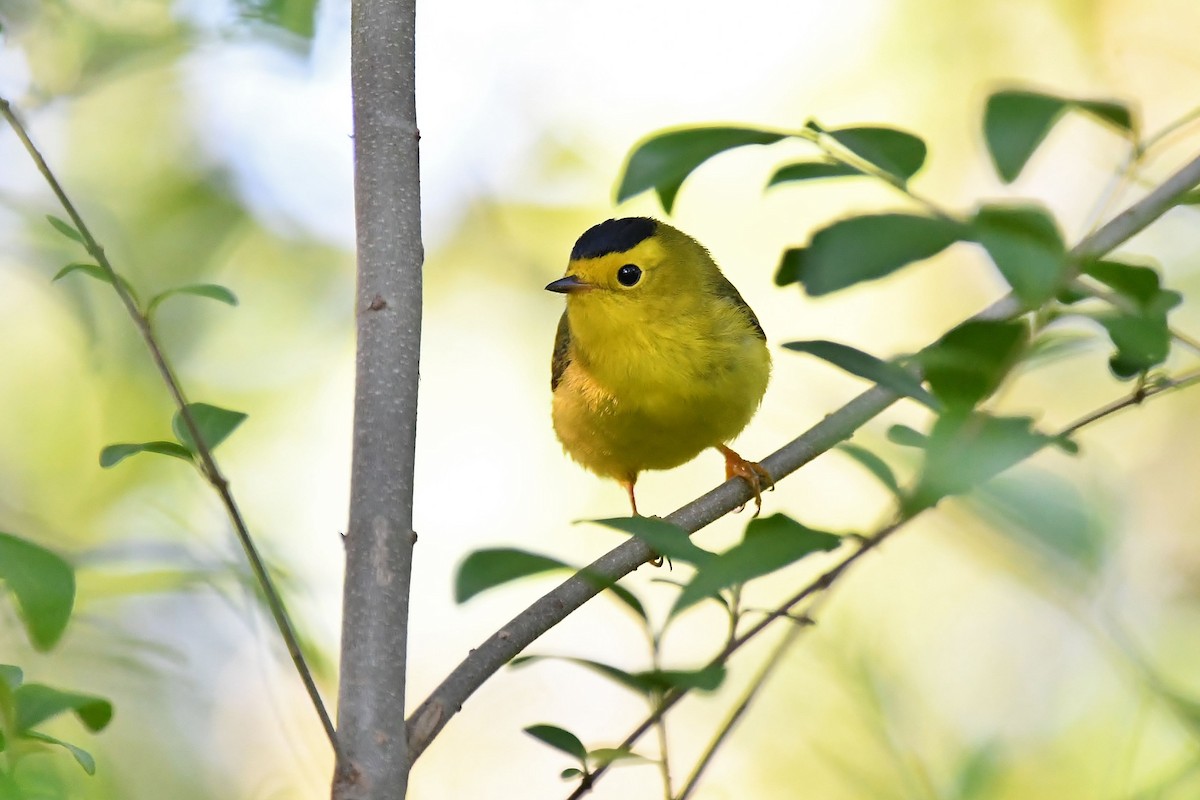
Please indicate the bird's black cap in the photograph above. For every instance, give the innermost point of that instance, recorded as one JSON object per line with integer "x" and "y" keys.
{"x": 613, "y": 236}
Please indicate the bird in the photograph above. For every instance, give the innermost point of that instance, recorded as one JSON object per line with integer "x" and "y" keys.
{"x": 656, "y": 358}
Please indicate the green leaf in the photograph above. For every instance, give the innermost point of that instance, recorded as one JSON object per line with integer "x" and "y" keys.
{"x": 1040, "y": 508}
{"x": 647, "y": 683}
{"x": 215, "y": 424}
{"x": 970, "y": 362}
{"x": 65, "y": 228}
{"x": 94, "y": 271}
{"x": 37, "y": 703}
{"x": 966, "y": 449}
{"x": 896, "y": 152}
{"x": 629, "y": 680}
{"x": 43, "y": 585}
{"x": 663, "y": 537}
{"x": 114, "y": 454}
{"x": 864, "y": 365}
{"x": 560, "y": 739}
{"x": 771, "y": 543}
{"x": 1191, "y": 198}
{"x": 210, "y": 290}
{"x": 1114, "y": 113}
{"x": 297, "y": 17}
{"x": 491, "y": 567}
{"x": 663, "y": 161}
{"x": 11, "y": 676}
{"x": 1025, "y": 245}
{"x": 82, "y": 757}
{"x": 570, "y": 773}
{"x": 865, "y": 248}
{"x": 705, "y": 679}
{"x": 873, "y": 464}
{"x": 906, "y": 436}
{"x": 810, "y": 171}
{"x": 488, "y": 568}
{"x": 1137, "y": 282}
{"x": 1016, "y": 122}
{"x": 1143, "y": 340}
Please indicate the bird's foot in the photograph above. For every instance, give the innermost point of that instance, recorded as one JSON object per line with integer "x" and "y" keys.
{"x": 750, "y": 471}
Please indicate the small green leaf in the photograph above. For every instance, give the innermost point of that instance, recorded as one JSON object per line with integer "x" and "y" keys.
{"x": 663, "y": 537}
{"x": 11, "y": 676}
{"x": 492, "y": 567}
{"x": 873, "y": 464}
{"x": 1191, "y": 198}
{"x": 1139, "y": 283}
{"x": 970, "y": 362}
{"x": 81, "y": 756}
{"x": 560, "y": 739}
{"x": 896, "y": 152}
{"x": 966, "y": 449}
{"x": 297, "y": 17}
{"x": 1016, "y": 122}
{"x": 1142, "y": 340}
{"x": 1025, "y": 245}
{"x": 114, "y": 454}
{"x": 37, "y": 703}
{"x": 864, "y": 365}
{"x": 43, "y": 585}
{"x": 810, "y": 171}
{"x": 65, "y": 228}
{"x": 94, "y": 271}
{"x": 663, "y": 161}
{"x": 771, "y": 543}
{"x": 570, "y": 773}
{"x": 215, "y": 424}
{"x": 1114, "y": 113}
{"x": 705, "y": 679}
{"x": 906, "y": 436}
{"x": 865, "y": 248}
{"x": 210, "y": 290}
{"x": 629, "y": 680}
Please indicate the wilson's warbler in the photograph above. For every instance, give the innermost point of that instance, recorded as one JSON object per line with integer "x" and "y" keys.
{"x": 657, "y": 356}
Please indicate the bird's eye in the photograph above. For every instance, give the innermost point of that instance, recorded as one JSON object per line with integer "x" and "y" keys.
{"x": 629, "y": 274}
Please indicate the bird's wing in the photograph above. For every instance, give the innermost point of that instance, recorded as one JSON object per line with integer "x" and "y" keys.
{"x": 562, "y": 348}
{"x": 724, "y": 289}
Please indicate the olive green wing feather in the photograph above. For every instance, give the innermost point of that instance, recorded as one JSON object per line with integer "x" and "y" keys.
{"x": 724, "y": 289}
{"x": 562, "y": 352}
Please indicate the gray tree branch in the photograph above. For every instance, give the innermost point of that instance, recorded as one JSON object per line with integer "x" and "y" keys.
{"x": 374, "y": 760}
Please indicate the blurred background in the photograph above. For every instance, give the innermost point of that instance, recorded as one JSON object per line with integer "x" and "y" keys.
{"x": 1039, "y": 640}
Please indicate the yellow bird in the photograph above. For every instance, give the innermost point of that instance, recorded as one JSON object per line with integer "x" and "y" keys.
{"x": 657, "y": 356}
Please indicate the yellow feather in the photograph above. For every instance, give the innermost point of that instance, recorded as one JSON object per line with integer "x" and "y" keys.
{"x": 656, "y": 371}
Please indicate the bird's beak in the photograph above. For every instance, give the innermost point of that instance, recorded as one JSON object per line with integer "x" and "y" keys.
{"x": 568, "y": 285}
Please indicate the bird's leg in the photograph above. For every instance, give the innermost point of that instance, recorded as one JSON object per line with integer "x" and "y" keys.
{"x": 628, "y": 484}
{"x": 750, "y": 471}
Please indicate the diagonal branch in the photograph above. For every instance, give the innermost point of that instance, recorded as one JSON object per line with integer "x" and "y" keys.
{"x": 208, "y": 465}
{"x": 447, "y": 699}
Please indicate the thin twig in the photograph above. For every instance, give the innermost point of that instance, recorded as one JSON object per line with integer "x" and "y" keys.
{"x": 546, "y": 612}
{"x": 824, "y": 581}
{"x": 208, "y": 465}
{"x": 735, "y": 716}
